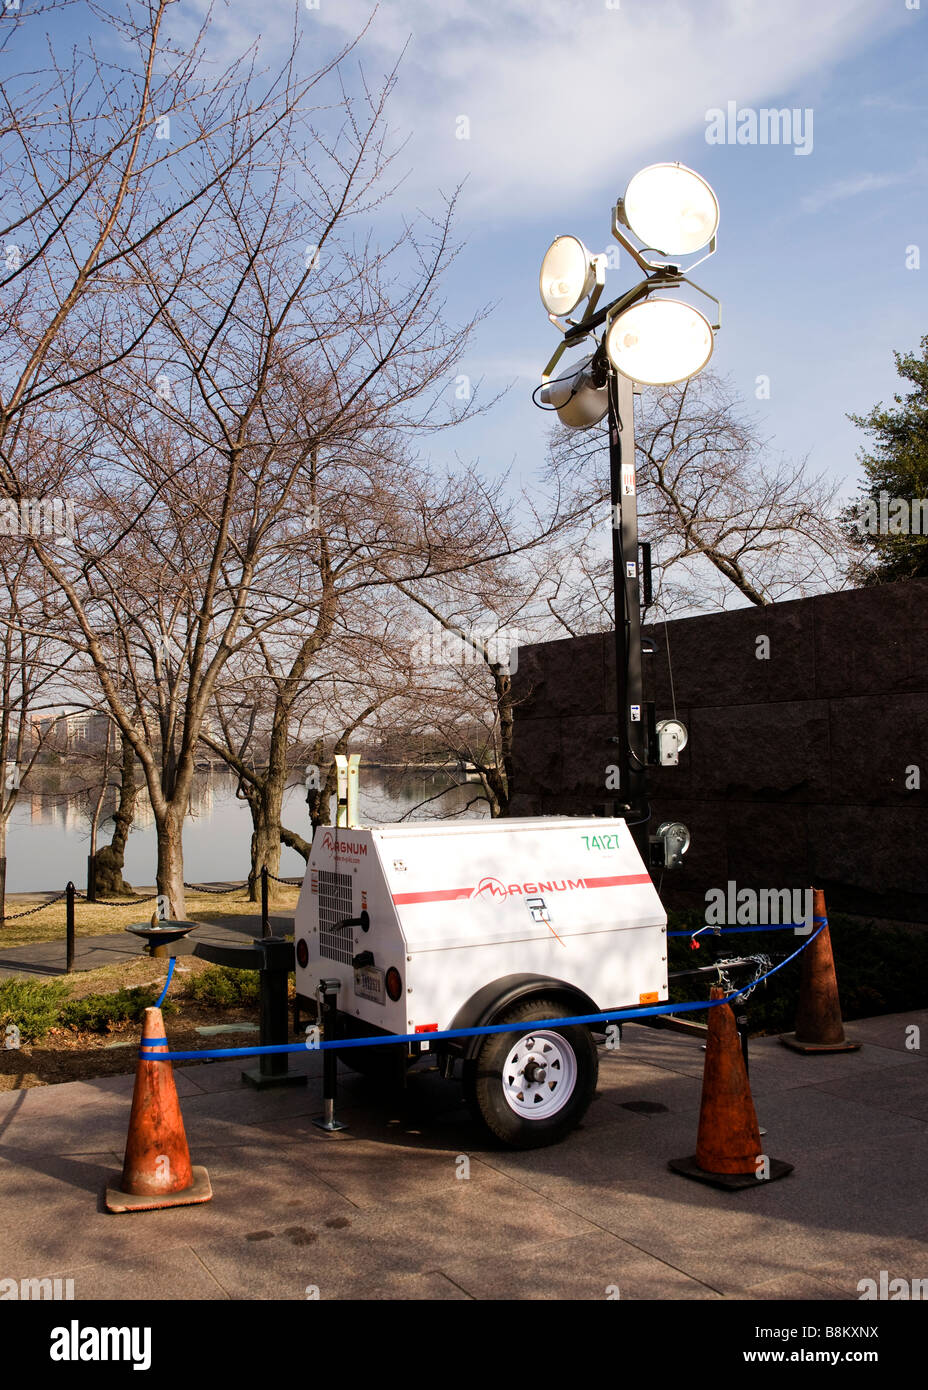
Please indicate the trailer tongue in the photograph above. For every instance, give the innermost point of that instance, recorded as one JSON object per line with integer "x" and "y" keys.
{"x": 432, "y": 926}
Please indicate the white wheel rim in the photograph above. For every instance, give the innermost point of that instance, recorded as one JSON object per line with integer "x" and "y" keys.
{"x": 539, "y": 1075}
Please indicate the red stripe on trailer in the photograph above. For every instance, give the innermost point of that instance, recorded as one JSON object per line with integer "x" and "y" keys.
{"x": 620, "y": 881}
{"x": 444, "y": 895}
{"x": 438, "y": 895}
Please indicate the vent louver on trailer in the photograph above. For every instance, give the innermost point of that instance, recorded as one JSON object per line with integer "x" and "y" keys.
{"x": 335, "y": 906}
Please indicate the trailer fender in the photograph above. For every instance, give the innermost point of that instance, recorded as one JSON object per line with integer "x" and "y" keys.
{"x": 493, "y": 999}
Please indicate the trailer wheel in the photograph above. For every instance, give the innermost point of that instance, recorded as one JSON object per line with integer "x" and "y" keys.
{"x": 532, "y": 1088}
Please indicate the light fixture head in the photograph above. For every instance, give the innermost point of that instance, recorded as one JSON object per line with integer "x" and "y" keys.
{"x": 671, "y": 209}
{"x": 578, "y": 402}
{"x": 567, "y": 275}
{"x": 659, "y": 342}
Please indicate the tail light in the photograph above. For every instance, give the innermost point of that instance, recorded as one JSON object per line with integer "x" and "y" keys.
{"x": 394, "y": 983}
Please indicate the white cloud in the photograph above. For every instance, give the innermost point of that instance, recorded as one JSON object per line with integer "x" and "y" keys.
{"x": 570, "y": 94}
{"x": 857, "y": 184}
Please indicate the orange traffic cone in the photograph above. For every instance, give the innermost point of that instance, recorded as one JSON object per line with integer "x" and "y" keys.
{"x": 728, "y": 1148}
{"x": 819, "y": 1027}
{"x": 157, "y": 1170}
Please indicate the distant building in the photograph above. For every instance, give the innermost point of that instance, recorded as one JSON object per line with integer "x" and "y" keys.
{"x": 81, "y": 732}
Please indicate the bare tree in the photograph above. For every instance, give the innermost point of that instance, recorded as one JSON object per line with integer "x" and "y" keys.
{"x": 235, "y": 365}
{"x": 726, "y": 519}
{"x": 33, "y": 670}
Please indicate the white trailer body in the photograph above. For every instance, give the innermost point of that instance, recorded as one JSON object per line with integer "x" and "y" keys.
{"x": 451, "y": 907}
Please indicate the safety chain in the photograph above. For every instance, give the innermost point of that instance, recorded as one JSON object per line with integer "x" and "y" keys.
{"x": 763, "y": 964}
{"x": 12, "y": 916}
{"x": 150, "y": 898}
{"x": 198, "y": 888}
{"x": 121, "y": 902}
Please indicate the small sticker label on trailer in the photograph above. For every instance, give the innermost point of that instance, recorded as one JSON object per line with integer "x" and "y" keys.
{"x": 628, "y": 480}
{"x": 636, "y": 714}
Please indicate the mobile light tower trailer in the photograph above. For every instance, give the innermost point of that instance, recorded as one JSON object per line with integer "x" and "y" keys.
{"x": 443, "y": 925}
{"x": 427, "y": 927}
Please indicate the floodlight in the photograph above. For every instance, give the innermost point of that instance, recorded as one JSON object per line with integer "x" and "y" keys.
{"x": 578, "y": 402}
{"x": 671, "y": 209}
{"x": 567, "y": 275}
{"x": 659, "y": 341}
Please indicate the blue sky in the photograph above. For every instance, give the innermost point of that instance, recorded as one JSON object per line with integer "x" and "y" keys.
{"x": 566, "y": 99}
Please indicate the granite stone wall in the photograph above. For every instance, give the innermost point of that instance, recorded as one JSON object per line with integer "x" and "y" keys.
{"x": 797, "y": 765}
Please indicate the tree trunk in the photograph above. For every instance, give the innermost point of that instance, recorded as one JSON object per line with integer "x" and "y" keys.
{"x": 171, "y": 863}
{"x": 265, "y": 840}
{"x": 109, "y": 861}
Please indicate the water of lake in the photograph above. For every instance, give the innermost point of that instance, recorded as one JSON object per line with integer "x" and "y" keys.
{"x": 48, "y": 837}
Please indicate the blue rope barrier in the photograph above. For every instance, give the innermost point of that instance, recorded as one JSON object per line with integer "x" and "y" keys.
{"x": 171, "y": 964}
{"x": 486, "y": 1029}
{"x": 728, "y": 931}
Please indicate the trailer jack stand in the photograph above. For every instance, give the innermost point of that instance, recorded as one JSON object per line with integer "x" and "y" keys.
{"x": 328, "y": 991}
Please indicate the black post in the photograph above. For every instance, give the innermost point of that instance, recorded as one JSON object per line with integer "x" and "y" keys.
{"x": 69, "y": 923}
{"x": 327, "y": 1121}
{"x": 741, "y": 1023}
{"x": 273, "y": 1067}
{"x": 265, "y": 920}
{"x": 2, "y": 889}
{"x": 629, "y": 699}
{"x": 91, "y": 879}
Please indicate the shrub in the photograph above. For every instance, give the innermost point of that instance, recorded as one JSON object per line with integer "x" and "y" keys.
{"x": 30, "y": 1006}
{"x": 96, "y": 1012}
{"x": 224, "y": 986}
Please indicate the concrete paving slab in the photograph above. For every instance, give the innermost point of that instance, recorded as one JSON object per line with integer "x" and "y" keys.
{"x": 624, "y": 1080}
{"x": 226, "y": 1075}
{"x": 370, "y": 1174}
{"x": 775, "y": 1068}
{"x": 594, "y": 1266}
{"x": 804, "y": 1285}
{"x": 31, "y": 1131}
{"x": 811, "y": 1118}
{"x": 226, "y": 1117}
{"x": 472, "y": 1220}
{"x": 378, "y": 1212}
{"x": 54, "y": 1216}
{"x": 336, "y": 1266}
{"x": 157, "y": 1275}
{"x": 904, "y": 1090}
{"x": 892, "y": 1031}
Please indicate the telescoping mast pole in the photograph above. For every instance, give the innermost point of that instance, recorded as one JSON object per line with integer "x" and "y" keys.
{"x": 630, "y": 710}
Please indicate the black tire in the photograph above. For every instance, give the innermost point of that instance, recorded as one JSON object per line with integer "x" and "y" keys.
{"x": 485, "y": 1086}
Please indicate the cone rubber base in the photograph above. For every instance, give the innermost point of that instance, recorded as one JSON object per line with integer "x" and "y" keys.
{"x": 790, "y": 1040}
{"x": 733, "y": 1182}
{"x": 200, "y": 1190}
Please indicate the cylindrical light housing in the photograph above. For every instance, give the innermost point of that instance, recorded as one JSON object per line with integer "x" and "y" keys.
{"x": 578, "y": 402}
